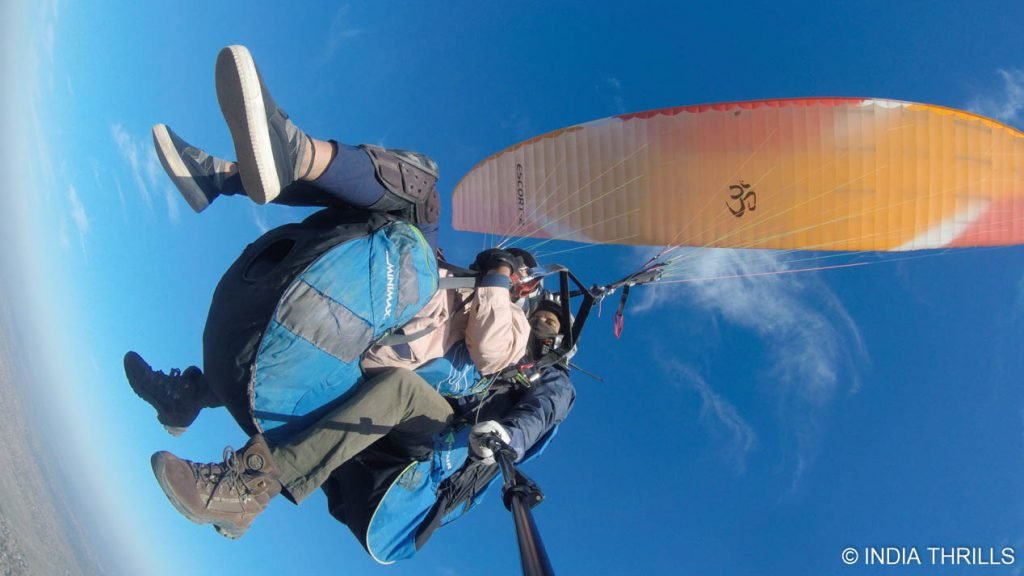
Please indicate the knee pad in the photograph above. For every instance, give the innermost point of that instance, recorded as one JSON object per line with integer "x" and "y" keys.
{"x": 410, "y": 180}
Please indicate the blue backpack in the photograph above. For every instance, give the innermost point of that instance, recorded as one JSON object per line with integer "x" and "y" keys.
{"x": 352, "y": 295}
{"x": 291, "y": 318}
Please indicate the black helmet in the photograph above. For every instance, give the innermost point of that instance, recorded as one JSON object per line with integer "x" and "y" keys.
{"x": 541, "y": 343}
{"x": 528, "y": 259}
{"x": 548, "y": 303}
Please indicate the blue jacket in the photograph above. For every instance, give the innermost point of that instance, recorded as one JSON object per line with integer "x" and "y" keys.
{"x": 529, "y": 414}
{"x": 539, "y": 410}
{"x": 393, "y": 503}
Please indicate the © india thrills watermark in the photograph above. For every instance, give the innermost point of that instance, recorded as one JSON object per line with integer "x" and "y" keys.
{"x": 929, "y": 556}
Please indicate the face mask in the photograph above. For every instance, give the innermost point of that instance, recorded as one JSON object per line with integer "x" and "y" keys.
{"x": 539, "y": 347}
{"x": 542, "y": 339}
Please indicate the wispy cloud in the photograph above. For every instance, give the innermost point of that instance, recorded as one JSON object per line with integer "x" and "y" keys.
{"x": 259, "y": 218}
{"x": 1007, "y": 103}
{"x": 153, "y": 170}
{"x": 50, "y": 16}
{"x": 120, "y": 197}
{"x": 38, "y": 135}
{"x": 147, "y": 174}
{"x": 173, "y": 200}
{"x": 96, "y": 178}
{"x": 78, "y": 216}
{"x": 611, "y": 88}
{"x": 341, "y": 30}
{"x": 654, "y": 296}
{"x": 266, "y": 218}
{"x": 130, "y": 150}
{"x": 718, "y": 415}
{"x": 810, "y": 332}
{"x": 519, "y": 124}
{"x": 813, "y": 345}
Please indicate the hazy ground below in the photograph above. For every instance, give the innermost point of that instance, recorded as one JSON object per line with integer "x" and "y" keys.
{"x": 39, "y": 533}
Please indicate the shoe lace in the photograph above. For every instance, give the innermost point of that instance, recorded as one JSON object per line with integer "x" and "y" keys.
{"x": 177, "y": 385}
{"x": 230, "y": 474}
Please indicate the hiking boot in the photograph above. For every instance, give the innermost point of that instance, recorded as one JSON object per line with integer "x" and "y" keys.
{"x": 229, "y": 494}
{"x": 199, "y": 176}
{"x": 177, "y": 397}
{"x": 271, "y": 151}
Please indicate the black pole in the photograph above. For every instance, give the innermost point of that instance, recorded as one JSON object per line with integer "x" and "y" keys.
{"x": 520, "y": 495}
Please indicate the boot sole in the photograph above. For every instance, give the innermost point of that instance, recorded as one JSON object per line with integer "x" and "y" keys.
{"x": 178, "y": 171}
{"x": 159, "y": 470}
{"x": 229, "y": 531}
{"x": 241, "y": 102}
{"x": 174, "y": 430}
{"x": 129, "y": 368}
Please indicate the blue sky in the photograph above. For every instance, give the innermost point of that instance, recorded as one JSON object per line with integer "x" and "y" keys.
{"x": 742, "y": 427}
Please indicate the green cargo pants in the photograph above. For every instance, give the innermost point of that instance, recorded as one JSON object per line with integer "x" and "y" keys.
{"x": 396, "y": 402}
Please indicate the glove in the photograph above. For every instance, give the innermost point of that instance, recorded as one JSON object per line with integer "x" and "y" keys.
{"x": 492, "y": 258}
{"x": 482, "y": 431}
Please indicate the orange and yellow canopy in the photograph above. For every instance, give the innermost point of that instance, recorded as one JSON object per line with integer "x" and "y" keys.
{"x": 811, "y": 173}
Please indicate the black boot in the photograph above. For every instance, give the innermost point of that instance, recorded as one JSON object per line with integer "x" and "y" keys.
{"x": 177, "y": 397}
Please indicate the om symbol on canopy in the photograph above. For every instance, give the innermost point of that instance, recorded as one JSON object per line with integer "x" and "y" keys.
{"x": 745, "y": 198}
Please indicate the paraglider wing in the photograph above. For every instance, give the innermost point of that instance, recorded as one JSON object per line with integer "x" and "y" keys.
{"x": 812, "y": 174}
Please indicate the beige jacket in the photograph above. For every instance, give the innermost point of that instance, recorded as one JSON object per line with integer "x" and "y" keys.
{"x": 495, "y": 330}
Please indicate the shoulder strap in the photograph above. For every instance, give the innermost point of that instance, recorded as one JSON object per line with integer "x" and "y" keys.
{"x": 461, "y": 278}
{"x": 458, "y": 270}
{"x": 457, "y": 282}
{"x": 399, "y": 337}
